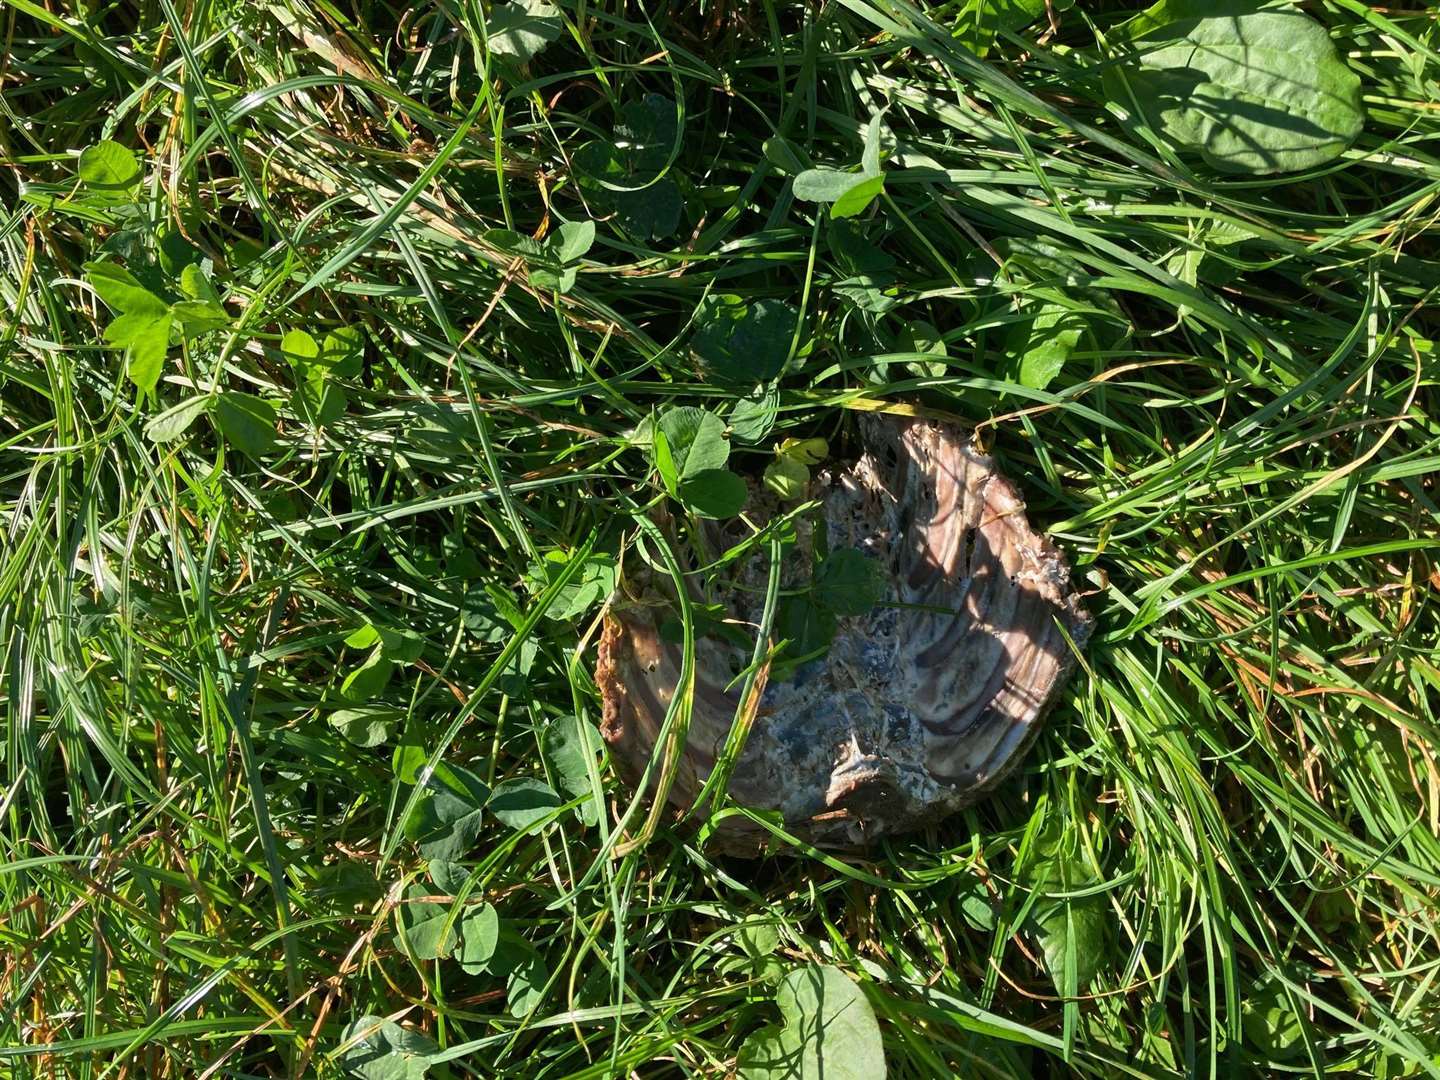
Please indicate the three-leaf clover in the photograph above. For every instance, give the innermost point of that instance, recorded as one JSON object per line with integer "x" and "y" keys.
{"x": 318, "y": 397}
{"x": 690, "y": 451}
{"x": 629, "y": 173}
{"x": 145, "y": 324}
{"x": 447, "y": 822}
{"x": 388, "y": 647}
{"x": 743, "y": 341}
{"x": 380, "y": 1049}
{"x": 551, "y": 261}
{"x": 522, "y": 801}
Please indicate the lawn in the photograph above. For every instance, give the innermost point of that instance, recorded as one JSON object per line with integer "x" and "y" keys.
{"x": 334, "y": 342}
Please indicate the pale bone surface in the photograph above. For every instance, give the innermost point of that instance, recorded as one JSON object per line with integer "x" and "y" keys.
{"x": 915, "y": 712}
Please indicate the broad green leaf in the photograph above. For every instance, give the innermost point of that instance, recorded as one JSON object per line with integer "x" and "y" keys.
{"x": 807, "y": 627}
{"x": 122, "y": 291}
{"x": 626, "y": 173}
{"x": 246, "y": 421}
{"x": 124, "y": 330}
{"x": 787, "y": 478}
{"x": 402, "y": 646}
{"x": 849, "y": 583}
{"x": 977, "y": 907}
{"x": 651, "y": 213}
{"x": 570, "y": 746}
{"x": 858, "y": 197}
{"x": 752, "y": 417}
{"x": 196, "y": 284}
{"x": 449, "y": 877}
{"x": 825, "y": 185}
{"x": 804, "y": 451}
{"x": 544, "y": 277}
{"x": 447, "y": 823}
{"x": 479, "y": 934}
{"x": 593, "y": 584}
{"x": 849, "y": 193}
{"x": 830, "y": 1032}
{"x": 1070, "y": 930}
{"x": 300, "y": 350}
{"x": 521, "y": 29}
{"x": 517, "y": 243}
{"x": 918, "y": 336}
{"x": 980, "y": 21}
{"x": 1269, "y": 1019}
{"x": 1072, "y": 935}
{"x": 1252, "y": 91}
{"x": 426, "y": 928}
{"x": 742, "y": 342}
{"x": 343, "y": 351}
{"x": 145, "y": 337}
{"x": 770, "y": 1054}
{"x": 525, "y": 989}
{"x": 482, "y": 619}
{"x": 1042, "y": 346}
{"x": 367, "y": 725}
{"x": 197, "y": 317}
{"x": 857, "y": 247}
{"x": 108, "y": 166}
{"x": 523, "y": 801}
{"x": 385, "y": 1051}
{"x": 315, "y": 398}
{"x": 176, "y": 420}
{"x": 695, "y": 441}
{"x": 572, "y": 240}
{"x": 319, "y": 400}
{"x": 175, "y": 254}
{"x": 713, "y": 493}
{"x": 515, "y": 681}
{"x": 511, "y": 951}
{"x": 757, "y": 939}
{"x": 646, "y": 134}
{"x": 407, "y": 761}
{"x": 870, "y": 159}
{"x": 367, "y": 680}
{"x": 363, "y": 638}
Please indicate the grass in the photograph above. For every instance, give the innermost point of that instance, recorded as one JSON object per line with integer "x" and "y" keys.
{"x": 1236, "y": 807}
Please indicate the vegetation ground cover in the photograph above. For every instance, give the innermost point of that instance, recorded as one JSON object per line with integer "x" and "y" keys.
{"x": 334, "y": 345}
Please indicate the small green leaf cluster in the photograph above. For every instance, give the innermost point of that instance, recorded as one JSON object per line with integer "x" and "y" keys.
{"x": 789, "y": 473}
{"x": 550, "y": 262}
{"x": 146, "y": 324}
{"x": 744, "y": 342}
{"x": 828, "y": 1029}
{"x": 518, "y": 31}
{"x": 363, "y": 720}
{"x": 630, "y": 174}
{"x": 689, "y": 450}
{"x": 846, "y": 583}
{"x": 848, "y": 193}
{"x": 319, "y": 396}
